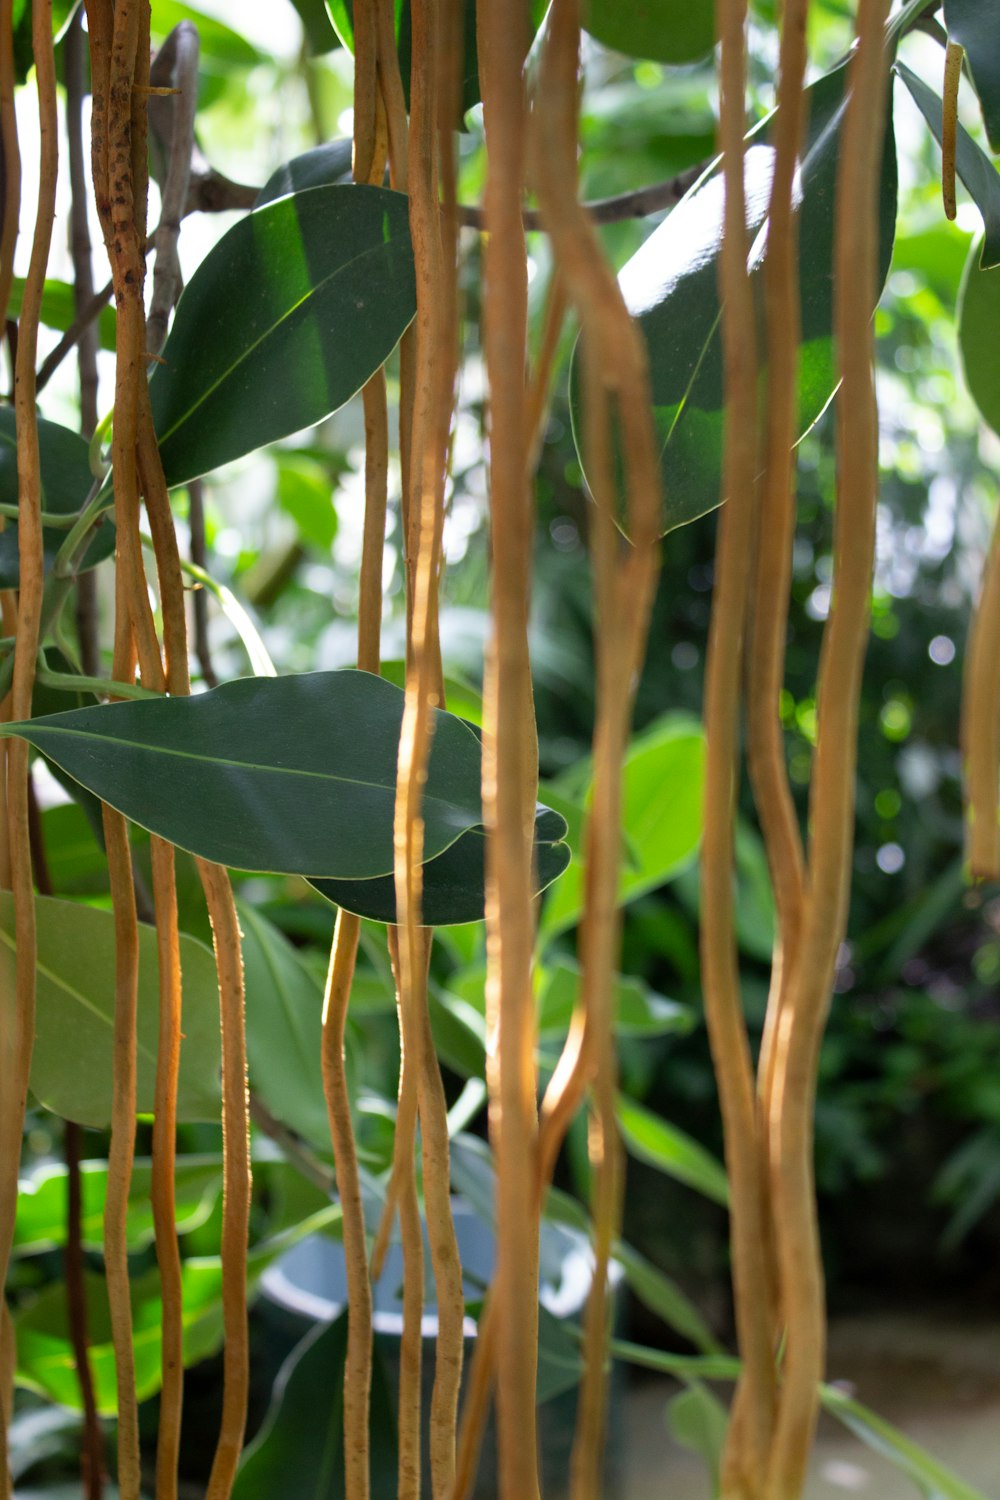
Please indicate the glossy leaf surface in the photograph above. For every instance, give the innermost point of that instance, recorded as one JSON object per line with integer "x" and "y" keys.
{"x": 300, "y": 1449}
{"x": 283, "y": 322}
{"x": 66, "y": 480}
{"x": 295, "y": 775}
{"x": 322, "y": 166}
{"x": 978, "y": 322}
{"x": 671, "y": 286}
{"x": 454, "y": 884}
{"x": 972, "y": 165}
{"x": 669, "y": 31}
{"x": 71, "y": 1064}
{"x": 973, "y": 23}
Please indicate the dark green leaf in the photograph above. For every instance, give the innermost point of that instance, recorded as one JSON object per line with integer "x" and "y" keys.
{"x": 664, "y": 1297}
{"x": 454, "y": 882}
{"x": 59, "y": 310}
{"x": 661, "y": 1145}
{"x": 978, "y": 321}
{"x": 71, "y": 1064}
{"x": 283, "y": 322}
{"x": 671, "y": 286}
{"x": 662, "y": 817}
{"x": 974, "y": 24}
{"x": 669, "y": 31}
{"x": 319, "y": 32}
{"x": 66, "y": 480}
{"x": 323, "y": 166}
{"x": 300, "y": 1449}
{"x": 295, "y": 775}
{"x": 971, "y": 163}
{"x": 42, "y": 1203}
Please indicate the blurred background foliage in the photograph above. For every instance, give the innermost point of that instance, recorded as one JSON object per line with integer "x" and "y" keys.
{"x": 908, "y": 1124}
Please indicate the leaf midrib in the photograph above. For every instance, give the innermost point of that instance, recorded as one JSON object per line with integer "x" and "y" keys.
{"x": 267, "y": 333}
{"x": 10, "y": 730}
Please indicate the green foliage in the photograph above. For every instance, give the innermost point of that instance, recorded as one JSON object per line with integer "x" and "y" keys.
{"x": 66, "y": 478}
{"x": 282, "y": 323}
{"x": 671, "y": 286}
{"x": 973, "y": 24}
{"x": 669, "y": 31}
{"x": 978, "y": 320}
{"x": 669, "y": 1150}
{"x": 71, "y": 1063}
{"x": 287, "y": 774}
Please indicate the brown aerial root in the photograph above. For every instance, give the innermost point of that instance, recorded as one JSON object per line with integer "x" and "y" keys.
{"x": 614, "y": 370}
{"x": 832, "y": 792}
{"x": 358, "y": 1368}
{"x": 750, "y": 1431}
{"x": 17, "y": 1021}
{"x": 775, "y": 529}
{"x": 235, "y": 1179}
{"x": 981, "y": 724}
{"x": 953, "y": 59}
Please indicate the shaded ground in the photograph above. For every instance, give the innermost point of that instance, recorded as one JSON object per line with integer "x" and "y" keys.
{"x": 937, "y": 1380}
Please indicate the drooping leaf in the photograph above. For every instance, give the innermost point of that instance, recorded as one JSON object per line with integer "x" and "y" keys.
{"x": 973, "y": 23}
{"x": 668, "y": 31}
{"x": 671, "y": 287}
{"x": 931, "y": 1478}
{"x": 42, "y": 1203}
{"x": 664, "y": 1297}
{"x": 665, "y": 1147}
{"x": 455, "y": 882}
{"x": 322, "y": 166}
{"x": 221, "y": 48}
{"x": 71, "y": 1064}
{"x": 978, "y": 315}
{"x": 973, "y": 166}
{"x": 295, "y": 775}
{"x": 300, "y": 1449}
{"x": 284, "y": 1029}
{"x": 66, "y": 480}
{"x": 697, "y": 1420}
{"x": 58, "y": 310}
{"x": 661, "y": 820}
{"x": 316, "y": 24}
{"x": 283, "y": 322}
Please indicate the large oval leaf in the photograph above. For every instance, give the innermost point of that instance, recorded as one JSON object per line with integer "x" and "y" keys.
{"x": 282, "y": 323}
{"x": 294, "y": 775}
{"x": 66, "y": 480}
{"x": 974, "y": 24}
{"x": 978, "y": 325}
{"x": 973, "y": 166}
{"x": 322, "y": 166}
{"x": 671, "y": 286}
{"x": 669, "y": 31}
{"x": 71, "y": 1064}
{"x": 455, "y": 882}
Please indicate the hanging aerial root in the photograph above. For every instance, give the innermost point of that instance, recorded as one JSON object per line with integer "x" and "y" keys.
{"x": 981, "y": 724}
{"x": 953, "y": 59}
{"x": 17, "y": 1001}
{"x": 832, "y": 791}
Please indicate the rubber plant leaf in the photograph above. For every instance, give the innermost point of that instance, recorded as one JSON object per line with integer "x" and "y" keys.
{"x": 671, "y": 286}
{"x": 292, "y": 775}
{"x": 74, "y": 1029}
{"x": 974, "y": 167}
{"x": 978, "y": 321}
{"x": 283, "y": 321}
{"x": 668, "y": 31}
{"x": 66, "y": 481}
{"x": 454, "y": 884}
{"x": 973, "y": 23}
